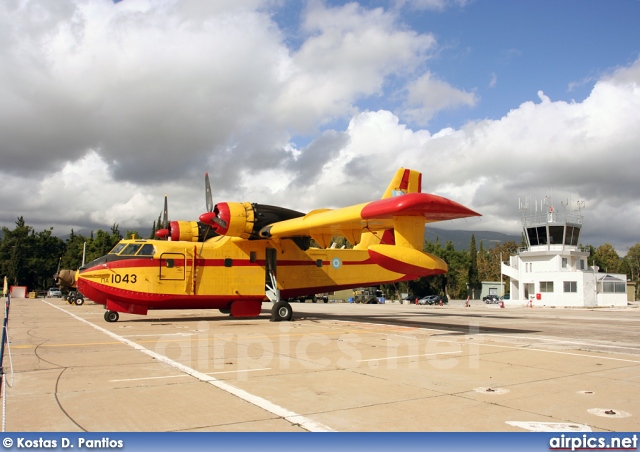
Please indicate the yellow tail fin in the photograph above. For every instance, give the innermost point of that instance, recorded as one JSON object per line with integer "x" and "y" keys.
{"x": 405, "y": 181}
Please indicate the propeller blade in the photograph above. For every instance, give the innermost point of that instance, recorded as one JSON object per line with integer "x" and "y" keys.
{"x": 165, "y": 214}
{"x": 207, "y": 188}
{"x": 55, "y": 277}
{"x": 220, "y": 222}
{"x": 211, "y": 218}
{"x": 163, "y": 228}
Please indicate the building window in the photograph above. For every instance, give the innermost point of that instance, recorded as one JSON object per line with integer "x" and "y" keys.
{"x": 570, "y": 286}
{"x": 564, "y": 262}
{"x": 556, "y": 234}
{"x": 581, "y": 264}
{"x": 546, "y": 286}
{"x": 613, "y": 287}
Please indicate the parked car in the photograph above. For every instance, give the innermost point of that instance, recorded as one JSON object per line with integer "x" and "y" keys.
{"x": 426, "y": 300}
{"x": 433, "y": 299}
{"x": 506, "y": 297}
{"x": 54, "y": 292}
{"x": 409, "y": 299}
{"x": 491, "y": 299}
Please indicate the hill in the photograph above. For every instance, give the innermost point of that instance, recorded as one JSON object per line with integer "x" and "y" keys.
{"x": 462, "y": 239}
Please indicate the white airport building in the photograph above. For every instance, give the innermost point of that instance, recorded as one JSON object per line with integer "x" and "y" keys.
{"x": 552, "y": 270}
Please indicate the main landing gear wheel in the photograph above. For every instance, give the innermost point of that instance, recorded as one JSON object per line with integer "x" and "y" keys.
{"x": 281, "y": 312}
{"x": 111, "y": 316}
{"x": 79, "y": 301}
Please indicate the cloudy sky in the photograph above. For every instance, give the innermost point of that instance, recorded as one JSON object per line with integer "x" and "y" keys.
{"x": 107, "y": 106}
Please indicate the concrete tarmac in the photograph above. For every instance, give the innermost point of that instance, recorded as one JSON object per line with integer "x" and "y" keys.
{"x": 335, "y": 367}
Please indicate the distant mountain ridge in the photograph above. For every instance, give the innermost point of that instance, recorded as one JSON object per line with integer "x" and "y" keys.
{"x": 462, "y": 239}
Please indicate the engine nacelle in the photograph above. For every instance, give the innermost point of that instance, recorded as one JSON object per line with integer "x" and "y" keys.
{"x": 245, "y": 219}
{"x": 184, "y": 231}
{"x": 231, "y": 218}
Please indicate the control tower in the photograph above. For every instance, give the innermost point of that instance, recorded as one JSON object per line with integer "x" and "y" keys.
{"x": 552, "y": 269}
{"x": 548, "y": 229}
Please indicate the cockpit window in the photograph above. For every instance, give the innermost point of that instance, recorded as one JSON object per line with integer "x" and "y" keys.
{"x": 146, "y": 250}
{"x": 117, "y": 248}
{"x": 131, "y": 249}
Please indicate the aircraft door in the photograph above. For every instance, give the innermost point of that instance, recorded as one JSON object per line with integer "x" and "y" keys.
{"x": 172, "y": 266}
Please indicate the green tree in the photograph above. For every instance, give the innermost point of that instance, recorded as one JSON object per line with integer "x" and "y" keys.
{"x": 29, "y": 259}
{"x": 607, "y": 259}
{"x": 14, "y": 251}
{"x": 72, "y": 257}
{"x": 632, "y": 260}
{"x": 102, "y": 243}
{"x": 132, "y": 234}
{"x": 456, "y": 278}
{"x": 484, "y": 264}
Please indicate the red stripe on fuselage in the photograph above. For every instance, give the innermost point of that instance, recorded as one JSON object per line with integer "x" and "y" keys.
{"x": 149, "y": 263}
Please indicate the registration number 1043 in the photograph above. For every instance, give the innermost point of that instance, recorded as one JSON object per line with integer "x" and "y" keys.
{"x": 126, "y": 278}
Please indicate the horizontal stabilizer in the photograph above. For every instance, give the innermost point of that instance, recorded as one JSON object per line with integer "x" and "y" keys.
{"x": 431, "y": 207}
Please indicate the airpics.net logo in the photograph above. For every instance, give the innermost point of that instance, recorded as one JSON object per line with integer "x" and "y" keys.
{"x": 586, "y": 442}
{"x": 209, "y": 350}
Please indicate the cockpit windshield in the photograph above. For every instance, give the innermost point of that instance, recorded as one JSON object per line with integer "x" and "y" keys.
{"x": 132, "y": 249}
{"x": 117, "y": 248}
{"x": 146, "y": 250}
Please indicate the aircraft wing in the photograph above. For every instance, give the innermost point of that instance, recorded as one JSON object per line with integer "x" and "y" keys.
{"x": 373, "y": 216}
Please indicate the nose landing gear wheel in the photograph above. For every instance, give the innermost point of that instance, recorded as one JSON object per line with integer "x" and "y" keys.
{"x": 111, "y": 316}
{"x": 281, "y": 311}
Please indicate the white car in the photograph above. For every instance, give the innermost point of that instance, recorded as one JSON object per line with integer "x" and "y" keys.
{"x": 54, "y": 292}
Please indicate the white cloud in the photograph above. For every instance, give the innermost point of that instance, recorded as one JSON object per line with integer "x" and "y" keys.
{"x": 348, "y": 54}
{"x": 427, "y": 96}
{"x": 435, "y": 5}
{"x": 107, "y": 108}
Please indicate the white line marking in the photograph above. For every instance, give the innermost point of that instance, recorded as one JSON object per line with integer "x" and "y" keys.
{"x": 159, "y": 334}
{"x": 148, "y": 378}
{"x": 592, "y": 344}
{"x": 177, "y": 376}
{"x": 290, "y": 416}
{"x": 406, "y": 356}
{"x": 560, "y": 353}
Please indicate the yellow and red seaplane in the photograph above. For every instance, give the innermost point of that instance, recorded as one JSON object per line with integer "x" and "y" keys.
{"x": 240, "y": 255}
